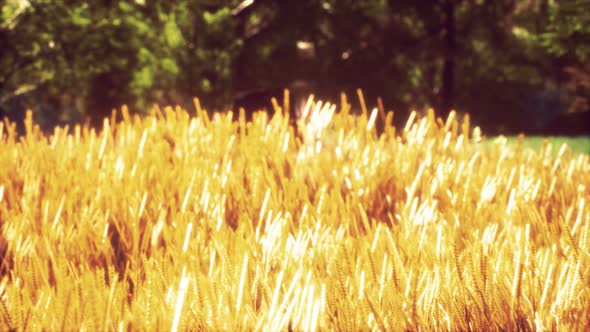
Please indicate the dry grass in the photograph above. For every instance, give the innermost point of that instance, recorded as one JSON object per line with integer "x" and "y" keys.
{"x": 188, "y": 223}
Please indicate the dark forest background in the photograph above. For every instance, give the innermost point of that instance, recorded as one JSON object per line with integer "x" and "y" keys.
{"x": 514, "y": 65}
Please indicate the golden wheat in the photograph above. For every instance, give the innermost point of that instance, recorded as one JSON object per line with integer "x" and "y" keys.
{"x": 182, "y": 222}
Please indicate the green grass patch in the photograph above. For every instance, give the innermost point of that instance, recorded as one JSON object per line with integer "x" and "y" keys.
{"x": 579, "y": 144}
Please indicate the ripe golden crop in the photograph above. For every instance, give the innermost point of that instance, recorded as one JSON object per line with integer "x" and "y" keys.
{"x": 183, "y": 222}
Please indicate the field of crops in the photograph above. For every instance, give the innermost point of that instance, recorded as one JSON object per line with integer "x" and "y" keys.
{"x": 185, "y": 221}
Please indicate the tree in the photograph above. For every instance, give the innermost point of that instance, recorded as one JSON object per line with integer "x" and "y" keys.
{"x": 478, "y": 56}
{"x": 108, "y": 53}
{"x": 567, "y": 36}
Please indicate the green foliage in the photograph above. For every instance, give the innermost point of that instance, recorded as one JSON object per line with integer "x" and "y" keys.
{"x": 87, "y": 57}
{"x": 568, "y": 31}
{"x": 56, "y": 48}
{"x": 565, "y": 35}
{"x": 216, "y": 20}
{"x": 172, "y": 33}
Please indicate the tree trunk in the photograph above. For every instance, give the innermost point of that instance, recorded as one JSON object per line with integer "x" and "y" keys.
{"x": 448, "y": 74}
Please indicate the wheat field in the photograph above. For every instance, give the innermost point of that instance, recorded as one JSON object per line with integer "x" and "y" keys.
{"x": 189, "y": 221}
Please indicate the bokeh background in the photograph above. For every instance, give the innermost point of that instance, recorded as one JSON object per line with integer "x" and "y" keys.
{"x": 513, "y": 65}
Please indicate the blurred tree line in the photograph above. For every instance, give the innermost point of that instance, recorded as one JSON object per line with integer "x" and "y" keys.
{"x": 512, "y": 64}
